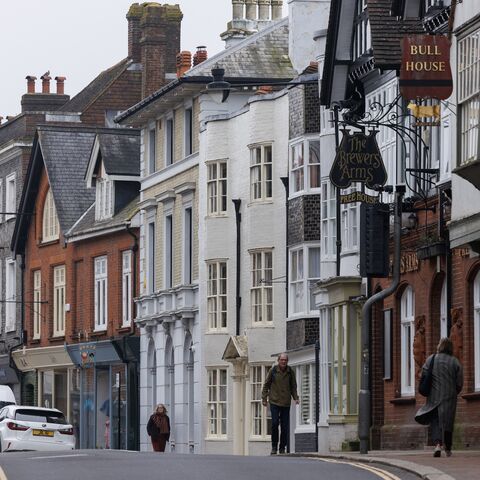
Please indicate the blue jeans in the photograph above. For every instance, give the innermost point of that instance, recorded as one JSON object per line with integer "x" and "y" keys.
{"x": 280, "y": 416}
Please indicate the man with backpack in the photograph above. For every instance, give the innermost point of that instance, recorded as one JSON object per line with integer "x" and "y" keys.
{"x": 279, "y": 388}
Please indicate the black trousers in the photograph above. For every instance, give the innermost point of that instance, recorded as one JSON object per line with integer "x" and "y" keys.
{"x": 438, "y": 434}
{"x": 280, "y": 417}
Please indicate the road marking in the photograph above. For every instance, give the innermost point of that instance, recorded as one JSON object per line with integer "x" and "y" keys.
{"x": 383, "y": 474}
{"x": 2, "y": 474}
{"x": 46, "y": 457}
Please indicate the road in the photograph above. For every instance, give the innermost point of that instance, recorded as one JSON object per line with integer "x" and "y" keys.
{"x": 118, "y": 465}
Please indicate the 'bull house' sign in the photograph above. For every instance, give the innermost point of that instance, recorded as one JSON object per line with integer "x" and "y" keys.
{"x": 358, "y": 159}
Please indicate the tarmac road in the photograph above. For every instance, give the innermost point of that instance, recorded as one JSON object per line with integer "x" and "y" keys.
{"x": 118, "y": 465}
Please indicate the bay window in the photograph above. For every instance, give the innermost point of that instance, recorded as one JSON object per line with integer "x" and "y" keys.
{"x": 305, "y": 166}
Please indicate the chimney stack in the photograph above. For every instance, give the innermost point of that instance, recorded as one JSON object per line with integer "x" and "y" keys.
{"x": 159, "y": 44}
{"x": 277, "y": 9}
{"x": 134, "y": 16}
{"x": 60, "y": 85}
{"x": 200, "y": 55}
{"x": 30, "y": 83}
{"x": 184, "y": 62}
{"x": 46, "y": 82}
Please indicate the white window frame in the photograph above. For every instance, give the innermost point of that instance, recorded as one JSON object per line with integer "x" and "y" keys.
{"x": 10, "y": 196}
{"x": 1, "y": 201}
{"x": 362, "y": 36}
{"x": 217, "y": 188}
{"x": 301, "y": 177}
{"x": 407, "y": 326}
{"x": 168, "y": 259}
{"x": 469, "y": 97}
{"x": 169, "y": 140}
{"x": 37, "y": 306}
{"x": 152, "y": 148}
{"x": 301, "y": 280}
{"x": 261, "y": 289}
{"x": 217, "y": 405}
{"x": 104, "y": 193}
{"x": 101, "y": 293}
{"x": 217, "y": 313}
{"x": 446, "y": 148}
{"x": 307, "y": 396}
{"x": 10, "y": 294}
{"x": 187, "y": 244}
{"x": 50, "y": 225}
{"x": 350, "y": 219}
{"x": 260, "y": 417}
{"x": 150, "y": 256}
{"x": 127, "y": 288}
{"x": 188, "y": 130}
{"x": 261, "y": 173}
{"x": 59, "y": 284}
{"x": 476, "y": 329}
{"x": 329, "y": 222}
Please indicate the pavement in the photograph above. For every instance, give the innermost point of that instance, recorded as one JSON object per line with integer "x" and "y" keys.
{"x": 462, "y": 465}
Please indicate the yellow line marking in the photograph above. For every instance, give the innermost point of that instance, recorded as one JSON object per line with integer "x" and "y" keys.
{"x": 2, "y": 474}
{"x": 377, "y": 471}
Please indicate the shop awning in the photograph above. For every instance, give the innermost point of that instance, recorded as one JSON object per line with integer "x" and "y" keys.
{"x": 41, "y": 358}
{"x": 94, "y": 353}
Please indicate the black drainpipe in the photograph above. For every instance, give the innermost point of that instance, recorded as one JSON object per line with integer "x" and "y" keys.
{"x": 285, "y": 184}
{"x": 238, "y": 220}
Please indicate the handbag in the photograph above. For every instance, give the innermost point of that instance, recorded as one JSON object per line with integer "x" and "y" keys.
{"x": 425, "y": 384}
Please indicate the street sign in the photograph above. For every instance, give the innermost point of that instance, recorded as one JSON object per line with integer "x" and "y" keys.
{"x": 425, "y": 71}
{"x": 357, "y": 196}
{"x": 358, "y": 159}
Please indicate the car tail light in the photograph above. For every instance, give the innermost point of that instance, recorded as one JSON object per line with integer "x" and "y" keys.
{"x": 16, "y": 426}
{"x": 67, "y": 431}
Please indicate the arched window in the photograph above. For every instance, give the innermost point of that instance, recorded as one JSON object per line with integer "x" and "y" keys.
{"x": 50, "y": 220}
{"x": 407, "y": 316}
{"x": 476, "y": 328}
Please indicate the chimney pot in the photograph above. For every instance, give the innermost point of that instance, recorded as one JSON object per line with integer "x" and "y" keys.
{"x": 184, "y": 62}
{"x": 60, "y": 85}
{"x": 238, "y": 9}
{"x": 277, "y": 9}
{"x": 200, "y": 55}
{"x": 30, "y": 83}
{"x": 251, "y": 10}
{"x": 264, "y": 10}
{"x": 46, "y": 82}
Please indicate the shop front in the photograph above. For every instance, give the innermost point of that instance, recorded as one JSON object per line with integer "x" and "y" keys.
{"x": 108, "y": 396}
{"x": 50, "y": 379}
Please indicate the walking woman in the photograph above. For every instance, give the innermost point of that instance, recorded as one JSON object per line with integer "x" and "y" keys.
{"x": 158, "y": 427}
{"x": 439, "y": 410}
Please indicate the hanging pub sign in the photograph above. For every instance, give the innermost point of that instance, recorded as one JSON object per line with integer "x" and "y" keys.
{"x": 425, "y": 71}
{"x": 358, "y": 159}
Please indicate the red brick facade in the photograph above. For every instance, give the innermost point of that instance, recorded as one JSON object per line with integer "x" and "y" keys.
{"x": 78, "y": 259}
{"x": 393, "y": 415}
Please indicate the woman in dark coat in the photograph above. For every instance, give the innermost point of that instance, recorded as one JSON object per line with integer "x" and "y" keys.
{"x": 158, "y": 427}
{"x": 439, "y": 410}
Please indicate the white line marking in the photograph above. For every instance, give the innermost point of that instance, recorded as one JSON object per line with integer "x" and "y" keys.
{"x": 385, "y": 475}
{"x": 58, "y": 456}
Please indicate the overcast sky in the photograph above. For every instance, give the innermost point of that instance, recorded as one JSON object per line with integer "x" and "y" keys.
{"x": 80, "y": 38}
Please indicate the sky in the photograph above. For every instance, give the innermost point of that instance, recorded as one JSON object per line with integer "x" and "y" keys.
{"x": 78, "y": 39}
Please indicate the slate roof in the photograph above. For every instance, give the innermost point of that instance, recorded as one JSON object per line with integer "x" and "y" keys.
{"x": 65, "y": 152}
{"x": 96, "y": 87}
{"x": 87, "y": 224}
{"x": 261, "y": 55}
{"x": 387, "y": 33}
{"x": 120, "y": 152}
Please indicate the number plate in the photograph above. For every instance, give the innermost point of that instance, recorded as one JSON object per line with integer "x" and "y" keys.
{"x": 43, "y": 433}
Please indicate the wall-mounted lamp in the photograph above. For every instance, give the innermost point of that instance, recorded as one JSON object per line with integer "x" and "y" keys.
{"x": 412, "y": 221}
{"x": 219, "y": 89}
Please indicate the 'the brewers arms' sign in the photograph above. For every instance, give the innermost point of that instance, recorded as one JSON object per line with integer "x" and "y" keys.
{"x": 425, "y": 70}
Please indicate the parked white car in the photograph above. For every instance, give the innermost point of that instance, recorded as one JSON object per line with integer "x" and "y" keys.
{"x": 6, "y": 396}
{"x": 34, "y": 428}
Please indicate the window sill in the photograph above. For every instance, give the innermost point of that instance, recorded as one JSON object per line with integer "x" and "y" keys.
{"x": 54, "y": 338}
{"x": 123, "y": 329}
{"x": 267, "y": 438}
{"x": 216, "y": 215}
{"x": 403, "y": 401}
{"x": 34, "y": 341}
{"x": 259, "y": 202}
{"x": 216, "y": 439}
{"x": 471, "y": 396}
{"x": 40, "y": 243}
{"x": 98, "y": 333}
{"x": 217, "y": 332}
{"x": 303, "y": 193}
{"x": 263, "y": 325}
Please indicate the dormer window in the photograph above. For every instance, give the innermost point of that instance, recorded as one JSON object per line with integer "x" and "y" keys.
{"x": 362, "y": 36}
{"x": 50, "y": 230}
{"x": 104, "y": 199}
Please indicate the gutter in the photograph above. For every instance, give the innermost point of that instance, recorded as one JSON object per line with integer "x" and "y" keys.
{"x": 238, "y": 298}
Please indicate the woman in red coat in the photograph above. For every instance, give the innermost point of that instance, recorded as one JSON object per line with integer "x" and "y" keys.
{"x": 158, "y": 428}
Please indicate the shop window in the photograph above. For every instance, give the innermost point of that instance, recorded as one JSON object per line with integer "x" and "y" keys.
{"x": 306, "y": 389}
